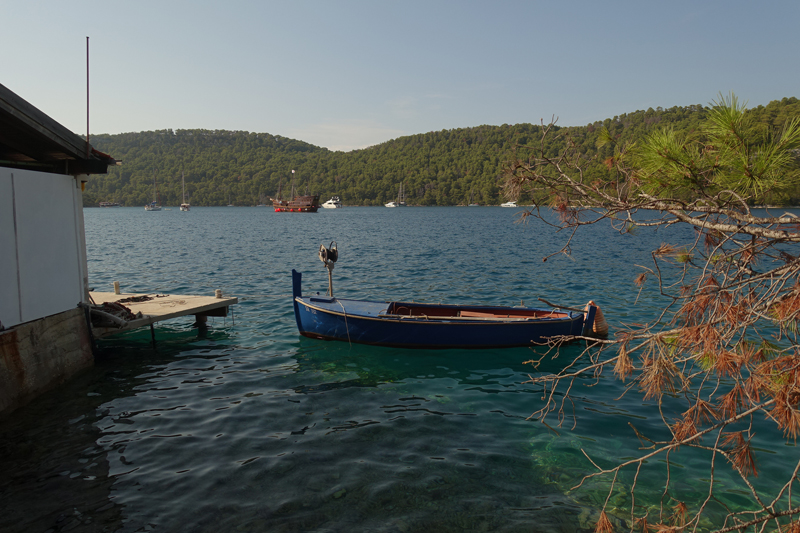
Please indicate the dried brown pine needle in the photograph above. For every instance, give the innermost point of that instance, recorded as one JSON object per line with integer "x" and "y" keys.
{"x": 603, "y": 524}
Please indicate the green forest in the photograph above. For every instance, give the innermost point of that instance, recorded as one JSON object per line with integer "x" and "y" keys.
{"x": 445, "y": 167}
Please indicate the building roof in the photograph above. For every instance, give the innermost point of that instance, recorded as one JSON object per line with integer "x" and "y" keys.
{"x": 29, "y": 139}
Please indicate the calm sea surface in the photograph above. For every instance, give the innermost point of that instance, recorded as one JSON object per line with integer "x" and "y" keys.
{"x": 252, "y": 427}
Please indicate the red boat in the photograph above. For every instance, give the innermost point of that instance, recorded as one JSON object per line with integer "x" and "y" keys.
{"x": 308, "y": 203}
{"x": 300, "y": 204}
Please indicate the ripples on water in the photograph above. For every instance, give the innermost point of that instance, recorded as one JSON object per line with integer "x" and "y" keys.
{"x": 254, "y": 428}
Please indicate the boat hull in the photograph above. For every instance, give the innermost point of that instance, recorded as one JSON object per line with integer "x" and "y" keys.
{"x": 299, "y": 204}
{"x": 381, "y": 324}
{"x": 305, "y": 202}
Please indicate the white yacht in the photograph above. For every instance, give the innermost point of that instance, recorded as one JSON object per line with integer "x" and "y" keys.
{"x": 509, "y": 204}
{"x": 333, "y": 203}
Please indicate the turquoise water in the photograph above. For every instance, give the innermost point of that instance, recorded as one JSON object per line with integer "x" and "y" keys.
{"x": 251, "y": 427}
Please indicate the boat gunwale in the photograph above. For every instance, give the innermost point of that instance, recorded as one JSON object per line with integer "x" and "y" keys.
{"x": 445, "y": 320}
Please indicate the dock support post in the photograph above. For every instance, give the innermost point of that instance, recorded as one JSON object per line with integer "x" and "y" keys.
{"x": 153, "y": 335}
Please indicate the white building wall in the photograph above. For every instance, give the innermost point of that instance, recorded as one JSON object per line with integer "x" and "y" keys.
{"x": 42, "y": 252}
{"x": 9, "y": 282}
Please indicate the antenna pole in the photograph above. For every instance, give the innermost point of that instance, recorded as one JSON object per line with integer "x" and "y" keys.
{"x": 87, "y": 97}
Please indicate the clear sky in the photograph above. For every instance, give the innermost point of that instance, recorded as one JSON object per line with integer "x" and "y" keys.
{"x": 355, "y": 73}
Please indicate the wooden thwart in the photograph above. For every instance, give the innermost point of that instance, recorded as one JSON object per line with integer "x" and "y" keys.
{"x": 162, "y": 307}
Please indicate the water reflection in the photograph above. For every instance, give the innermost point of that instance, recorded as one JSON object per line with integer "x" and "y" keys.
{"x": 325, "y": 436}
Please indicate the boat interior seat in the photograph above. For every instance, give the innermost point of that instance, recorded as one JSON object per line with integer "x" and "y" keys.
{"x": 479, "y": 314}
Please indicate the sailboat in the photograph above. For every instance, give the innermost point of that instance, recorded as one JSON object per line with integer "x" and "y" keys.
{"x": 401, "y": 198}
{"x": 185, "y": 204}
{"x": 153, "y": 206}
{"x": 472, "y": 199}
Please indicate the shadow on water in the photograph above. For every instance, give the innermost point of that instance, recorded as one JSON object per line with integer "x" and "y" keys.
{"x": 362, "y": 365}
{"x": 51, "y": 445}
{"x": 53, "y": 474}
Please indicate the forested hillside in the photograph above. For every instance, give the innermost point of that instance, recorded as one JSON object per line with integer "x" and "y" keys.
{"x": 437, "y": 168}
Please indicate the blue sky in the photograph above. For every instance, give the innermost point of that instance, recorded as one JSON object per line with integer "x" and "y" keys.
{"x": 355, "y": 73}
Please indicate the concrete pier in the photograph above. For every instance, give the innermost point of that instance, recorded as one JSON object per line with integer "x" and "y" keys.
{"x": 39, "y": 355}
{"x": 159, "y": 307}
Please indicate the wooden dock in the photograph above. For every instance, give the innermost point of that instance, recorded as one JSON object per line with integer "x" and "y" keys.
{"x": 158, "y": 307}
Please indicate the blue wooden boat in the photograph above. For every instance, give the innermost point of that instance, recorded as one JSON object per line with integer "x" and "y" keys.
{"x": 419, "y": 325}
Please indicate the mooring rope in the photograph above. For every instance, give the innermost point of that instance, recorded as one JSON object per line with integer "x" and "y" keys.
{"x": 244, "y": 297}
{"x": 346, "y": 327}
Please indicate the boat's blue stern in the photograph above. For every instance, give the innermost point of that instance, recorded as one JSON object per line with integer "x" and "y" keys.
{"x": 297, "y": 290}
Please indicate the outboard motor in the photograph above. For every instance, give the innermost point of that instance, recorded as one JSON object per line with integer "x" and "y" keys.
{"x": 329, "y": 256}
